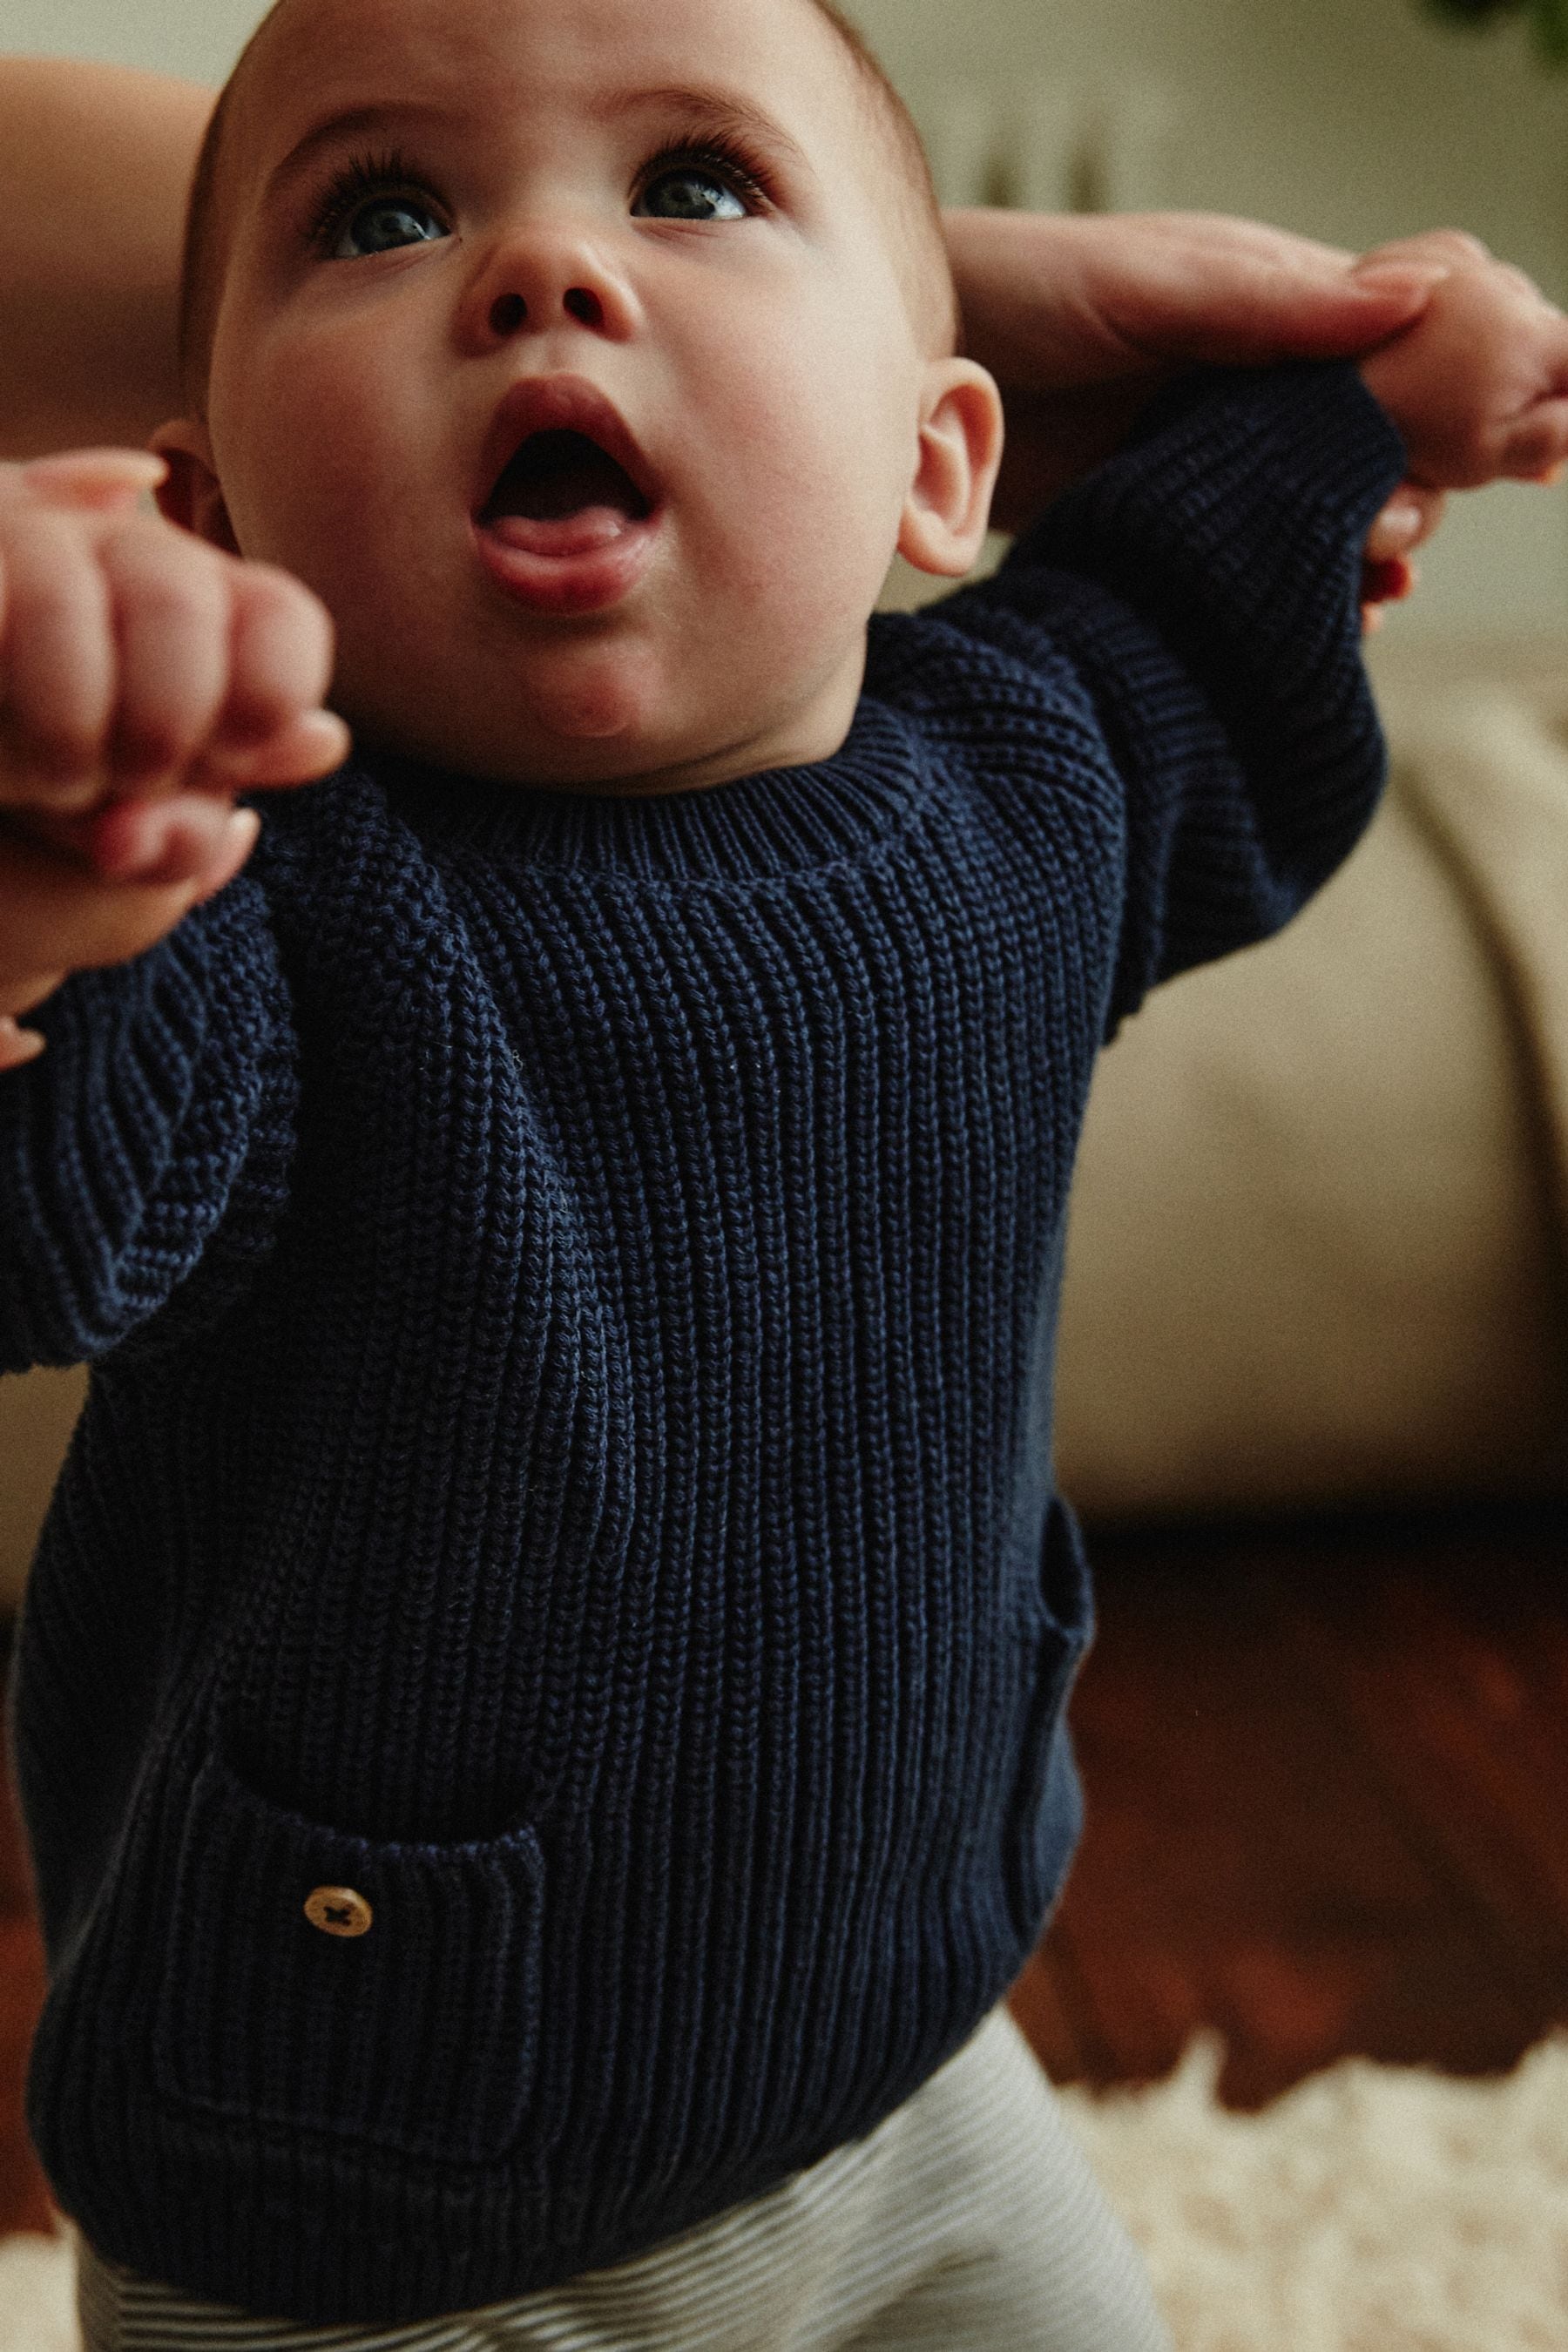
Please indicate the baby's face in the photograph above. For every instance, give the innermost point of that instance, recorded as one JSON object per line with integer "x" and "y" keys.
{"x": 563, "y": 351}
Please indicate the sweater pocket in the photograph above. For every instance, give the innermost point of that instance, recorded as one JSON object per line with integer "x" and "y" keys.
{"x": 385, "y": 1993}
{"x": 1045, "y": 1815}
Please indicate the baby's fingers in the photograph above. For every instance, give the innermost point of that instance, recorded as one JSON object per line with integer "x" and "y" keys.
{"x": 59, "y": 918}
{"x": 1538, "y": 443}
{"x": 93, "y": 481}
{"x": 58, "y": 661}
{"x": 172, "y": 602}
{"x": 312, "y": 746}
{"x": 17, "y": 1044}
{"x": 195, "y": 836}
{"x": 273, "y": 730}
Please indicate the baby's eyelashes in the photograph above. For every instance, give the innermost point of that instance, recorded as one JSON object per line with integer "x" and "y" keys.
{"x": 374, "y": 204}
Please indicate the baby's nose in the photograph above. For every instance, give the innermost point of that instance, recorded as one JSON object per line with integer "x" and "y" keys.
{"x": 509, "y": 312}
{"x": 535, "y": 279}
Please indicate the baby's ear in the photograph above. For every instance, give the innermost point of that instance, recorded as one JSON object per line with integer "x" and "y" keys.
{"x": 191, "y": 494}
{"x": 949, "y": 501}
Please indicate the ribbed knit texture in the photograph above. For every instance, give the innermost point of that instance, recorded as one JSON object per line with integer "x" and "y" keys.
{"x": 573, "y": 1287}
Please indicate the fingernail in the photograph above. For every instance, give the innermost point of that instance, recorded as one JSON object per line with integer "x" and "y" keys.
{"x": 239, "y": 838}
{"x": 1402, "y": 519}
{"x": 1402, "y": 276}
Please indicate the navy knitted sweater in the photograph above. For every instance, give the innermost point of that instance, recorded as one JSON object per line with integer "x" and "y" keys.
{"x": 571, "y": 1284}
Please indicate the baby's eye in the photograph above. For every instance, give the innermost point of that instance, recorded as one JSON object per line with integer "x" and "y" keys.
{"x": 381, "y": 224}
{"x": 691, "y": 193}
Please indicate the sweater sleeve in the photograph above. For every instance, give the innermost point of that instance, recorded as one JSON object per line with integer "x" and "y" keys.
{"x": 1204, "y": 585}
{"x": 160, "y": 1114}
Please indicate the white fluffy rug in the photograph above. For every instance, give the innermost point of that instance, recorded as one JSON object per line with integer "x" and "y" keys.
{"x": 1374, "y": 2208}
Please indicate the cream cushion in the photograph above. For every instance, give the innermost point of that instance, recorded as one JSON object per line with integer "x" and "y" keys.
{"x": 37, "y": 1413}
{"x": 1317, "y": 1240}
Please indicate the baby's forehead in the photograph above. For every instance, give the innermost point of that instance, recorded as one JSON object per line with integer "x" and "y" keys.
{"x": 316, "y": 60}
{"x": 798, "y": 53}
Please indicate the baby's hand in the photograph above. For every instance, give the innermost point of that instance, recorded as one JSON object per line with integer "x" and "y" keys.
{"x": 137, "y": 662}
{"x": 145, "y": 680}
{"x": 1479, "y": 385}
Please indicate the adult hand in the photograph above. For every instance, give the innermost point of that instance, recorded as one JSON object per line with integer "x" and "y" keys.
{"x": 1081, "y": 318}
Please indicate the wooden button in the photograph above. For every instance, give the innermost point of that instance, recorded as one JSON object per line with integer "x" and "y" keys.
{"x": 339, "y": 1911}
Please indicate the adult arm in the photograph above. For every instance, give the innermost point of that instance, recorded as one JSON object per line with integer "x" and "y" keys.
{"x": 1083, "y": 320}
{"x": 1202, "y": 583}
{"x": 95, "y": 161}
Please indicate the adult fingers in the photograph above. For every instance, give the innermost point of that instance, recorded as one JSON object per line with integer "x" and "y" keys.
{"x": 1448, "y": 248}
{"x": 1265, "y": 311}
{"x": 1057, "y": 302}
{"x": 1199, "y": 286}
{"x": 1387, "y": 582}
{"x": 197, "y": 850}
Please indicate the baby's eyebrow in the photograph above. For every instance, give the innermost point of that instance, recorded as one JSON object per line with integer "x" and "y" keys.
{"x": 711, "y": 113}
{"x": 351, "y": 121}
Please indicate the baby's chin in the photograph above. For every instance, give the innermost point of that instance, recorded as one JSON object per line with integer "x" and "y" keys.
{"x": 605, "y": 728}
{"x": 607, "y": 765}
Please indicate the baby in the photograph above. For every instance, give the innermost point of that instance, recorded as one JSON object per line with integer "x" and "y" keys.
{"x": 541, "y": 1704}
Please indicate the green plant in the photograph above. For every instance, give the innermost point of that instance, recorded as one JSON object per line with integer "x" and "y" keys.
{"x": 1548, "y": 20}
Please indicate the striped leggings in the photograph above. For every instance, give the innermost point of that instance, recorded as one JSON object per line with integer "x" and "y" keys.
{"x": 968, "y": 2218}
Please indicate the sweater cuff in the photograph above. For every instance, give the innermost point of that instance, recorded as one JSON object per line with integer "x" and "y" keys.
{"x": 1282, "y": 469}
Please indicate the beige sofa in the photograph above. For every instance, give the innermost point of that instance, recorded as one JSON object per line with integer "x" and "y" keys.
{"x": 1318, "y": 1249}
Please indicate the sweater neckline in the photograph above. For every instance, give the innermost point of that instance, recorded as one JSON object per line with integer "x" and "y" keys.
{"x": 779, "y": 821}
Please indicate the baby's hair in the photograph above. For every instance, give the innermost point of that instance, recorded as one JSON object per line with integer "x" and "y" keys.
{"x": 931, "y": 297}
{"x": 923, "y": 261}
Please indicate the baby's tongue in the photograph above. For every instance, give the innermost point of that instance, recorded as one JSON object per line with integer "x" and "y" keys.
{"x": 562, "y": 495}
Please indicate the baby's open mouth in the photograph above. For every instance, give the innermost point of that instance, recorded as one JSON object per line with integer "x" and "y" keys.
{"x": 569, "y": 511}
{"x": 562, "y": 476}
